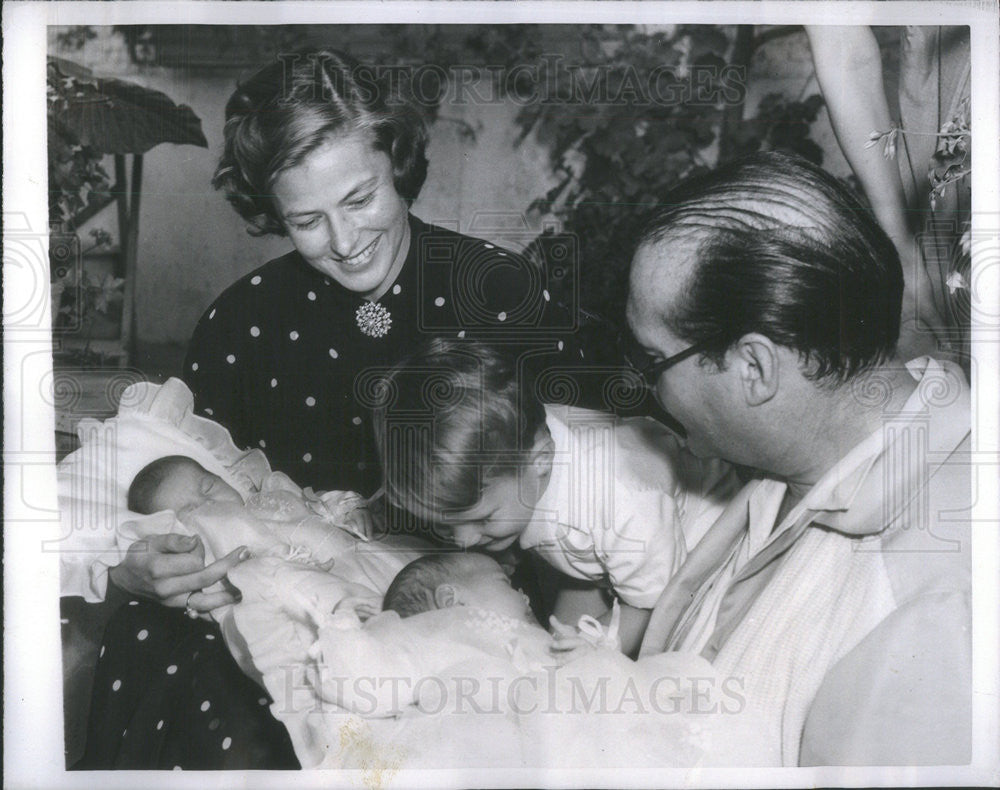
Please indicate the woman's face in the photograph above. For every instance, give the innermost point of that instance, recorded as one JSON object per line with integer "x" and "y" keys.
{"x": 343, "y": 214}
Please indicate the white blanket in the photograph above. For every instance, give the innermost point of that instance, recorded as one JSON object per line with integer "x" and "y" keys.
{"x": 467, "y": 697}
{"x": 462, "y": 688}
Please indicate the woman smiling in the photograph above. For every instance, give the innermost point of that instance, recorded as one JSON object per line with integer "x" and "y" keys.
{"x": 311, "y": 154}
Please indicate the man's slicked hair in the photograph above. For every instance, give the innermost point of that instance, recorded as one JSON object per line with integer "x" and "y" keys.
{"x": 781, "y": 248}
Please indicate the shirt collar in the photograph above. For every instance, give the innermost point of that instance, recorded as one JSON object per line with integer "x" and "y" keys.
{"x": 851, "y": 496}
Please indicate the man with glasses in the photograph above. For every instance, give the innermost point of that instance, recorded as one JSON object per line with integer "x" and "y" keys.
{"x": 766, "y": 303}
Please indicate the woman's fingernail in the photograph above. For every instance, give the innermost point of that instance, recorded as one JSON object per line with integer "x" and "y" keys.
{"x": 244, "y": 553}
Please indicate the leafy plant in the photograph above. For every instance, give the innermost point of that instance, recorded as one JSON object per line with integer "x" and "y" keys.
{"x": 89, "y": 117}
{"x": 673, "y": 107}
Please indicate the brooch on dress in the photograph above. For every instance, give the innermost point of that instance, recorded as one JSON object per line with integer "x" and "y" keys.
{"x": 373, "y": 319}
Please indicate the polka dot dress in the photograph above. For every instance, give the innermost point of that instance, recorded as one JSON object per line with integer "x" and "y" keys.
{"x": 167, "y": 695}
{"x": 280, "y": 358}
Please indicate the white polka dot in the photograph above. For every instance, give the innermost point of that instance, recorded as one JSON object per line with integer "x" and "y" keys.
{"x": 205, "y": 706}
{"x": 172, "y": 669}
{"x": 116, "y": 685}
{"x": 102, "y": 652}
{"x": 356, "y": 420}
{"x": 226, "y": 743}
{"x": 293, "y": 335}
{"x": 439, "y": 302}
{"x": 141, "y": 636}
{"x": 397, "y": 289}
{"x": 262, "y": 443}
{"x": 255, "y": 280}
{"x": 212, "y": 314}
{"x": 133, "y": 603}
{"x": 64, "y": 620}
{"x": 333, "y": 353}
{"x": 462, "y": 333}
{"x": 124, "y": 732}
{"x": 545, "y": 294}
{"x": 326, "y": 282}
{"x": 559, "y": 345}
{"x": 311, "y": 296}
{"x": 307, "y": 457}
{"x": 159, "y": 724}
{"x": 230, "y": 358}
{"x": 310, "y": 401}
{"x": 362, "y": 465}
{"x": 489, "y": 246}
{"x": 178, "y": 768}
{"x": 209, "y": 636}
{"x": 504, "y": 254}
{"x": 255, "y": 331}
{"x": 194, "y": 366}
{"x": 501, "y": 316}
{"x": 262, "y": 701}
{"x": 274, "y": 383}
{"x": 209, "y": 412}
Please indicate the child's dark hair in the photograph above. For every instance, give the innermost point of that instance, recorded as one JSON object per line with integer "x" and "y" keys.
{"x": 454, "y": 415}
{"x": 147, "y": 482}
{"x": 412, "y": 591}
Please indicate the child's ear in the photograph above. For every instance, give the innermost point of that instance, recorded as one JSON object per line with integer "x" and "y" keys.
{"x": 445, "y": 596}
{"x": 543, "y": 452}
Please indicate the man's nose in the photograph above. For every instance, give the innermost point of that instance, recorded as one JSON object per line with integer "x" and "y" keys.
{"x": 343, "y": 235}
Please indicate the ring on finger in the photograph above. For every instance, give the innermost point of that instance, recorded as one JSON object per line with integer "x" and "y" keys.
{"x": 188, "y": 609}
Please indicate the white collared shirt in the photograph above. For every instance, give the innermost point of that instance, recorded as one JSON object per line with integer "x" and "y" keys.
{"x": 624, "y": 503}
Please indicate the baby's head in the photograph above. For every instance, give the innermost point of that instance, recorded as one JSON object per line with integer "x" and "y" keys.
{"x": 438, "y": 581}
{"x": 480, "y": 461}
{"x": 177, "y": 483}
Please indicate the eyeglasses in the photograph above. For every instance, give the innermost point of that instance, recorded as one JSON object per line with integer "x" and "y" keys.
{"x": 651, "y": 370}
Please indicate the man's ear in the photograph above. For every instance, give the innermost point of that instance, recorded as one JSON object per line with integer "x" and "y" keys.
{"x": 445, "y": 596}
{"x": 758, "y": 366}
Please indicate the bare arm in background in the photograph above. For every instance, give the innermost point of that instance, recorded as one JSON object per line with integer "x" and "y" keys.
{"x": 849, "y": 72}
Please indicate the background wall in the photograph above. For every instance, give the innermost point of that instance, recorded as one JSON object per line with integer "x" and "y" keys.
{"x": 192, "y": 244}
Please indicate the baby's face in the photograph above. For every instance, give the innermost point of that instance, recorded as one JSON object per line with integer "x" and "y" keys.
{"x": 189, "y": 485}
{"x": 483, "y": 584}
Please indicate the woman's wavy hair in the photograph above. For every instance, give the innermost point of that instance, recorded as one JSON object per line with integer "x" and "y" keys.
{"x": 782, "y": 248}
{"x": 290, "y": 107}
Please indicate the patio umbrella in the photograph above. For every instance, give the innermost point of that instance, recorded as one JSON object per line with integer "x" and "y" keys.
{"x": 118, "y": 117}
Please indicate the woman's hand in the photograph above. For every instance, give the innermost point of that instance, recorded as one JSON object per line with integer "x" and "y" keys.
{"x": 171, "y": 570}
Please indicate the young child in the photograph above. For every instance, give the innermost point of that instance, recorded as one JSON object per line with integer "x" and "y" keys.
{"x": 614, "y": 501}
{"x": 279, "y": 520}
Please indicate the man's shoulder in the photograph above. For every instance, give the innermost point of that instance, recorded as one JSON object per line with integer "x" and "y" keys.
{"x": 927, "y": 549}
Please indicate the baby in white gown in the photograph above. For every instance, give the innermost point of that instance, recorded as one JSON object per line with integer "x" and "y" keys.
{"x": 280, "y": 520}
